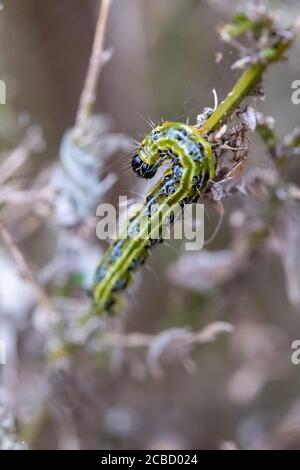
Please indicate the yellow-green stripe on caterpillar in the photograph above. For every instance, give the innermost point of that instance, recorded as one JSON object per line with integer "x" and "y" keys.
{"x": 192, "y": 166}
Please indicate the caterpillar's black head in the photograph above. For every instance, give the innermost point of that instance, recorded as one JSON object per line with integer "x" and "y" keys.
{"x": 142, "y": 169}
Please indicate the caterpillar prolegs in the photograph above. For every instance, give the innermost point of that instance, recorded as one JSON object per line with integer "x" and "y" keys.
{"x": 192, "y": 165}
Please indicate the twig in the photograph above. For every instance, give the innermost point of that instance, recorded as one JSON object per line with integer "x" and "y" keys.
{"x": 25, "y": 271}
{"x": 249, "y": 80}
{"x": 32, "y": 142}
{"x": 88, "y": 95}
{"x": 176, "y": 343}
{"x": 139, "y": 340}
{"x": 11, "y": 195}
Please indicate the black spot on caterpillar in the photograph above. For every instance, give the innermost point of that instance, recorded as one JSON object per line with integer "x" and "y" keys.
{"x": 192, "y": 165}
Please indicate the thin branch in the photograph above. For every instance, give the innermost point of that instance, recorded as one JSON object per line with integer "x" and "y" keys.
{"x": 25, "y": 271}
{"x": 138, "y": 340}
{"x": 88, "y": 95}
{"x": 32, "y": 197}
{"x": 32, "y": 142}
{"x": 249, "y": 80}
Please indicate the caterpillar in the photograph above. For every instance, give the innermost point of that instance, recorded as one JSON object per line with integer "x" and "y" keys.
{"x": 192, "y": 166}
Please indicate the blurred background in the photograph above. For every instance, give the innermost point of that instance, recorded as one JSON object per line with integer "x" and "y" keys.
{"x": 60, "y": 390}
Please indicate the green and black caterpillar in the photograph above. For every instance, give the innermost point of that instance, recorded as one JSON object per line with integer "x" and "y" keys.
{"x": 192, "y": 166}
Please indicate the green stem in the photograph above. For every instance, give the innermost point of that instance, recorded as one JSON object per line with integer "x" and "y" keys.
{"x": 245, "y": 85}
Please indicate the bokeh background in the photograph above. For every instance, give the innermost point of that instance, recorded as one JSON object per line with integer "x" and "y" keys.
{"x": 239, "y": 391}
